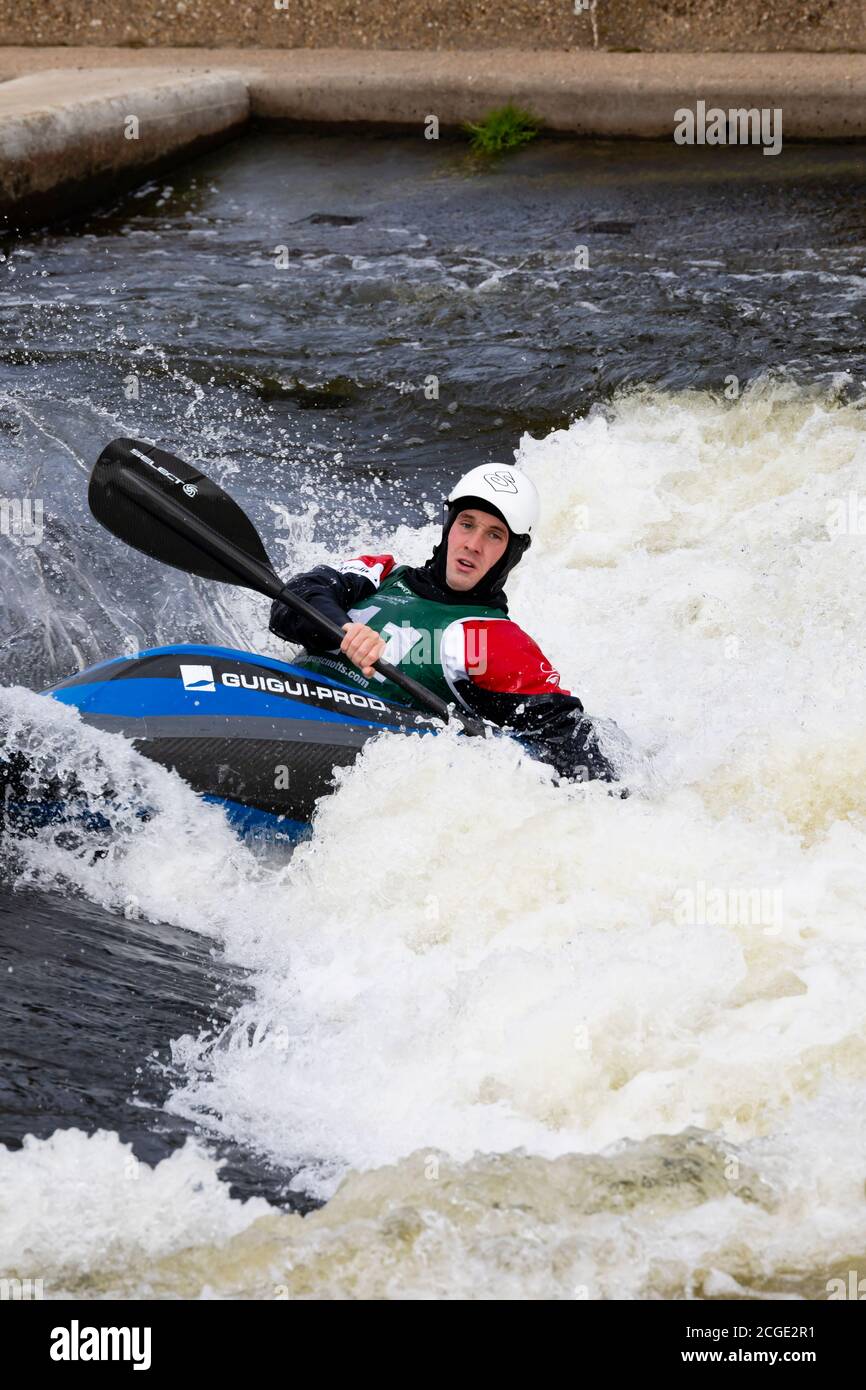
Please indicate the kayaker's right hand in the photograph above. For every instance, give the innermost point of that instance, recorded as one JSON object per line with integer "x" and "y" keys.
{"x": 362, "y": 645}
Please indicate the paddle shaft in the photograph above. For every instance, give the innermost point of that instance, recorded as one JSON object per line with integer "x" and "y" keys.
{"x": 260, "y": 576}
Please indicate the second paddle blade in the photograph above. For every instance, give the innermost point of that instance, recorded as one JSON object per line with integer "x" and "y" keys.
{"x": 155, "y": 502}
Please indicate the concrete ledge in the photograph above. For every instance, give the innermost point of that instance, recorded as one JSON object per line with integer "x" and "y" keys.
{"x": 823, "y": 95}
{"x": 595, "y": 94}
{"x": 65, "y": 136}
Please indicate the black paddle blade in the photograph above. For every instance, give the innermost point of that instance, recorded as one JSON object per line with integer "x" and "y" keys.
{"x": 169, "y": 510}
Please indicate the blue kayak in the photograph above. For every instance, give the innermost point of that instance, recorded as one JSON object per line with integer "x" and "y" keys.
{"x": 258, "y": 736}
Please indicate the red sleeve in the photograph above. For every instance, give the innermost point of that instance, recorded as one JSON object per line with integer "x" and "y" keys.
{"x": 500, "y": 656}
{"x": 372, "y": 567}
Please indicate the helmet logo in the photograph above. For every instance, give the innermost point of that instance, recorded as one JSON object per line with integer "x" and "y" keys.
{"x": 501, "y": 482}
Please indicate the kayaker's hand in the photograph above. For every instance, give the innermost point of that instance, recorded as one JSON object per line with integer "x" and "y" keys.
{"x": 362, "y": 645}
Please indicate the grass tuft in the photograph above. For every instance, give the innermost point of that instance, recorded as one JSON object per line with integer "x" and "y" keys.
{"x": 507, "y": 128}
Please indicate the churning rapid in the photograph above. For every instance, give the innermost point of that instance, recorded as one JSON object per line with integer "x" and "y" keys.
{"x": 530, "y": 1040}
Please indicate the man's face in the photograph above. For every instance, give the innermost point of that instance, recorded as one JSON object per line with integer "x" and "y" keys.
{"x": 475, "y": 542}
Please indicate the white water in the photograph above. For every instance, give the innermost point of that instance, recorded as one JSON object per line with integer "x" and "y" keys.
{"x": 467, "y": 961}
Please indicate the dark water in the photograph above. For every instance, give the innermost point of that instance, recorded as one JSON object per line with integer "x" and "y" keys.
{"x": 86, "y": 1013}
{"x": 167, "y": 318}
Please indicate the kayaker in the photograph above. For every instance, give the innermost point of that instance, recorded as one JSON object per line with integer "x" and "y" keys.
{"x": 446, "y": 624}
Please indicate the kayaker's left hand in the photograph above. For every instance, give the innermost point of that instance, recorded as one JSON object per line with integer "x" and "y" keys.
{"x": 363, "y": 646}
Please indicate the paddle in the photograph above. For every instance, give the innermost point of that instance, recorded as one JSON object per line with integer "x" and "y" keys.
{"x": 169, "y": 510}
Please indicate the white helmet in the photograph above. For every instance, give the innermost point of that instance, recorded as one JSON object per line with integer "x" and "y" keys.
{"x": 507, "y": 489}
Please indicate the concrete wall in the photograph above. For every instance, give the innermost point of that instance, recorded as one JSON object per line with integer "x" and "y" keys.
{"x": 647, "y": 25}
{"x": 68, "y": 139}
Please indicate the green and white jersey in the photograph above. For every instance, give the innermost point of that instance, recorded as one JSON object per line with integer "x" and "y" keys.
{"x": 427, "y": 640}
